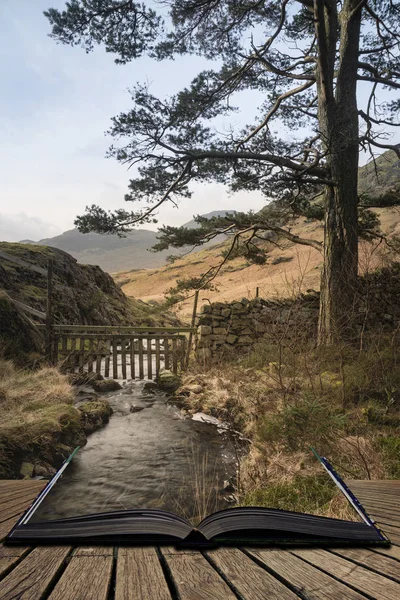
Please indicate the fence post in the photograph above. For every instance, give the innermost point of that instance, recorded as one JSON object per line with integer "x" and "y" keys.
{"x": 257, "y": 291}
{"x": 189, "y": 348}
{"x": 49, "y": 313}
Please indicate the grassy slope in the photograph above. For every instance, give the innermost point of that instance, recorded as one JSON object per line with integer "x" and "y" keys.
{"x": 300, "y": 272}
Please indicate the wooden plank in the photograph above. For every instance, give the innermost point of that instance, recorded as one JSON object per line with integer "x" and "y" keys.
{"x": 107, "y": 360}
{"x": 194, "y": 577}
{"x": 140, "y": 576}
{"x": 393, "y": 533}
{"x": 362, "y": 579}
{"x": 6, "y": 526}
{"x": 10, "y": 556}
{"x": 166, "y": 353}
{"x": 174, "y": 357}
{"x": 183, "y": 353}
{"x": 367, "y": 558}
{"x": 90, "y": 356}
{"x": 115, "y": 357}
{"x": 32, "y": 577}
{"x": 392, "y": 551}
{"x": 87, "y": 577}
{"x": 157, "y": 357}
{"x": 248, "y": 578}
{"x": 141, "y": 369}
{"x": 132, "y": 358}
{"x": 81, "y": 354}
{"x": 123, "y": 328}
{"x": 14, "y": 507}
{"x": 23, "y": 263}
{"x": 29, "y": 309}
{"x": 302, "y": 577}
{"x": 149, "y": 360}
{"x": 98, "y": 362}
{"x": 123, "y": 358}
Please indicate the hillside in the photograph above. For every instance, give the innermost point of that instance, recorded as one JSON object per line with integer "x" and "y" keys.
{"x": 290, "y": 268}
{"x": 112, "y": 253}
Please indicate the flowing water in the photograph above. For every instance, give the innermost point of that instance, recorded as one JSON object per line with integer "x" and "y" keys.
{"x": 147, "y": 456}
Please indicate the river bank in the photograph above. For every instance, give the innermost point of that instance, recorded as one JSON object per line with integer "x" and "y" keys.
{"x": 287, "y": 399}
{"x": 43, "y": 418}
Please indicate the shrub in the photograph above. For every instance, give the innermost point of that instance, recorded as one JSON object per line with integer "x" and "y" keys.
{"x": 305, "y": 493}
{"x": 310, "y": 421}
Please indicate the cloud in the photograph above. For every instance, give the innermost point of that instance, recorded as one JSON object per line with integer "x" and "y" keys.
{"x": 14, "y": 228}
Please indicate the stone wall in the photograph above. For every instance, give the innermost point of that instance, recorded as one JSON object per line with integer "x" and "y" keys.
{"x": 237, "y": 327}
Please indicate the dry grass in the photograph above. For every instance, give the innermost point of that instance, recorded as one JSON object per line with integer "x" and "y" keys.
{"x": 236, "y": 280}
{"x": 36, "y": 407}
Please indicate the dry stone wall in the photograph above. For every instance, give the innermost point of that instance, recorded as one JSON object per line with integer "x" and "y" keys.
{"x": 237, "y": 327}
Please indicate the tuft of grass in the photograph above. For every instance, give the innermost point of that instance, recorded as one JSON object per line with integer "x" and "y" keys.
{"x": 36, "y": 410}
{"x": 305, "y": 493}
{"x": 390, "y": 448}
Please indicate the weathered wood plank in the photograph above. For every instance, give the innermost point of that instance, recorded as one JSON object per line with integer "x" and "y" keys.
{"x": 10, "y": 556}
{"x": 304, "y": 578}
{"x": 141, "y": 368}
{"x": 23, "y": 263}
{"x": 12, "y": 508}
{"x": 115, "y": 357}
{"x": 81, "y": 354}
{"x": 174, "y": 357}
{"x": 166, "y": 353}
{"x": 393, "y": 552}
{"x": 149, "y": 360}
{"x": 369, "y": 559}
{"x": 98, "y": 363}
{"x": 392, "y": 533}
{"x": 107, "y": 360}
{"x": 6, "y": 526}
{"x": 140, "y": 576}
{"x": 30, "y": 579}
{"x": 90, "y": 357}
{"x": 29, "y": 309}
{"x": 194, "y": 577}
{"x": 123, "y": 358}
{"x": 366, "y": 581}
{"x": 122, "y": 328}
{"x": 132, "y": 358}
{"x": 157, "y": 357}
{"x": 87, "y": 577}
{"x": 248, "y": 578}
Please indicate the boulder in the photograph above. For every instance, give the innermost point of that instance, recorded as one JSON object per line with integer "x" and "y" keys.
{"x": 167, "y": 381}
{"x": 108, "y": 385}
{"x": 94, "y": 414}
{"x": 26, "y": 470}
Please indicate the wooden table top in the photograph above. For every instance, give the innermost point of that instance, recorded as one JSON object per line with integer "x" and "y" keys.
{"x": 152, "y": 573}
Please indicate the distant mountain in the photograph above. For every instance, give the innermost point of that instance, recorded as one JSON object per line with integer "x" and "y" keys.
{"x": 112, "y": 253}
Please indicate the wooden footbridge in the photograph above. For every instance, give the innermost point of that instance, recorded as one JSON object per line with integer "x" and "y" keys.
{"x": 152, "y": 573}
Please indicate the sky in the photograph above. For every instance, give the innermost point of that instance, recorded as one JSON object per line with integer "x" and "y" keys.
{"x": 56, "y": 103}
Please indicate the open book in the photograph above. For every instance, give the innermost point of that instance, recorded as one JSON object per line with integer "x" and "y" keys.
{"x": 240, "y": 525}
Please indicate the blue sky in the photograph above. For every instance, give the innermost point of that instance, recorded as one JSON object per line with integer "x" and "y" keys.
{"x": 56, "y": 103}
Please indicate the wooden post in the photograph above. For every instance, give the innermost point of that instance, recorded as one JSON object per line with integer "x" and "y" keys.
{"x": 49, "y": 312}
{"x": 193, "y": 322}
{"x": 257, "y": 292}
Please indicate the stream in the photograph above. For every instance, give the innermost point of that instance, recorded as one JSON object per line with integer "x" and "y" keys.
{"x": 153, "y": 457}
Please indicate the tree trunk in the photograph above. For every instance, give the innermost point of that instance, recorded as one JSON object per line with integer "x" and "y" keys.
{"x": 338, "y": 116}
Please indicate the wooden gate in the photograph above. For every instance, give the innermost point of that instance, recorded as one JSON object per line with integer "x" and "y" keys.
{"x": 120, "y": 352}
